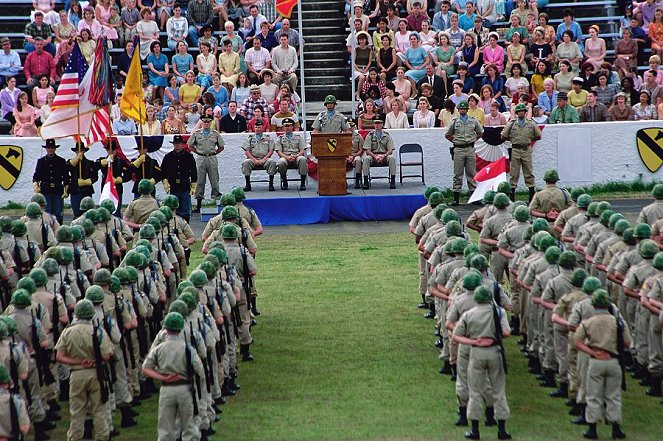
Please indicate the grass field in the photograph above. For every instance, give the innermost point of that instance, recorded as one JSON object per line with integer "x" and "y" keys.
{"x": 342, "y": 353}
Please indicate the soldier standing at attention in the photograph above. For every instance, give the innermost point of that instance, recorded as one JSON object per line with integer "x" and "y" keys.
{"x": 654, "y": 211}
{"x": 522, "y": 132}
{"x": 139, "y": 209}
{"x": 258, "y": 148}
{"x": 463, "y": 132}
{"x": 178, "y": 169}
{"x": 51, "y": 178}
{"x": 490, "y": 235}
{"x": 84, "y": 173}
{"x": 329, "y": 121}
{"x": 14, "y": 419}
{"x": 379, "y": 148}
{"x": 247, "y": 213}
{"x": 291, "y": 149}
{"x": 551, "y": 200}
{"x": 206, "y": 143}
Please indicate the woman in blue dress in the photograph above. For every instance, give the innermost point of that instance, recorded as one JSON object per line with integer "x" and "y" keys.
{"x": 416, "y": 60}
{"x": 157, "y": 64}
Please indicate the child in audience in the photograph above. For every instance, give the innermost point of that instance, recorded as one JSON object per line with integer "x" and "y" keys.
{"x": 192, "y": 117}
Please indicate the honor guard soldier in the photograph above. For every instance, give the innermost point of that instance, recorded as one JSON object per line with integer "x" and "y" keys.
{"x": 178, "y": 169}
{"x": 145, "y": 167}
{"x": 463, "y": 132}
{"x": 51, "y": 178}
{"x": 291, "y": 149}
{"x": 140, "y": 209}
{"x": 206, "y": 143}
{"x": 329, "y": 121}
{"x": 120, "y": 168}
{"x": 522, "y": 132}
{"x": 84, "y": 173}
{"x": 379, "y": 149}
{"x": 258, "y": 148}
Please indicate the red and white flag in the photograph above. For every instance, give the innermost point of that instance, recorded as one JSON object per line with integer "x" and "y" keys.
{"x": 100, "y": 127}
{"x": 109, "y": 191}
{"x": 489, "y": 178}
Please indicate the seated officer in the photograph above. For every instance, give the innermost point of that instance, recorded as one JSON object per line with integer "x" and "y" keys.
{"x": 379, "y": 148}
{"x": 291, "y": 149}
{"x": 258, "y": 149}
{"x": 353, "y": 161}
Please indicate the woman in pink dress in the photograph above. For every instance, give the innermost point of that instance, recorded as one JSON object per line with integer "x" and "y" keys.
{"x": 103, "y": 13}
{"x": 24, "y": 114}
{"x": 40, "y": 93}
{"x": 595, "y": 48}
{"x": 494, "y": 53}
{"x": 90, "y": 23}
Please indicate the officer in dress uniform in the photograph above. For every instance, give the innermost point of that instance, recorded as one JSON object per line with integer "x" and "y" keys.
{"x": 206, "y": 143}
{"x": 291, "y": 149}
{"x": 178, "y": 169}
{"x": 379, "y": 149}
{"x": 51, "y": 178}
{"x": 145, "y": 167}
{"x": 330, "y": 121}
{"x": 258, "y": 148}
{"x": 120, "y": 168}
{"x": 84, "y": 173}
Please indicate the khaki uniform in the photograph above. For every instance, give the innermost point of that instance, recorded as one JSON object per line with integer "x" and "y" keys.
{"x": 414, "y": 221}
{"x": 655, "y": 342}
{"x": 216, "y": 236}
{"x": 491, "y": 229}
{"x": 556, "y": 337}
{"x": 461, "y": 304}
{"x": 206, "y": 146}
{"x": 573, "y": 224}
{"x": 34, "y": 233}
{"x": 485, "y": 364}
{"x": 565, "y": 215}
{"x": 140, "y": 209}
{"x": 549, "y": 198}
{"x": 440, "y": 277}
{"x": 380, "y": 143}
{"x": 511, "y": 239}
{"x": 235, "y": 254}
{"x": 357, "y": 152}
{"x": 249, "y": 215}
{"x": 651, "y": 213}
{"x": 563, "y": 308}
{"x": 84, "y": 390}
{"x": 464, "y": 157}
{"x": 521, "y": 133}
{"x": 292, "y": 146}
{"x": 7, "y": 399}
{"x": 477, "y": 218}
{"x": 604, "y": 377}
{"x": 259, "y": 148}
{"x": 324, "y": 124}
{"x": 635, "y": 279}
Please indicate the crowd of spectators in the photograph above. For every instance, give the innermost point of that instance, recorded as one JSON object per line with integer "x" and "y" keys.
{"x": 429, "y": 55}
{"x": 245, "y": 69}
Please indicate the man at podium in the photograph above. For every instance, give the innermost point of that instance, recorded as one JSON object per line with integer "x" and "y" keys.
{"x": 330, "y": 121}
{"x": 379, "y": 148}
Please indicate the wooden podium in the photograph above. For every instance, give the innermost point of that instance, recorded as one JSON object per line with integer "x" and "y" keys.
{"x": 332, "y": 150}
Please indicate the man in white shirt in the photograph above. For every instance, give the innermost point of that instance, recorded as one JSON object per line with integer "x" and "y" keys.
{"x": 285, "y": 62}
{"x": 294, "y": 39}
{"x": 10, "y": 62}
{"x": 257, "y": 58}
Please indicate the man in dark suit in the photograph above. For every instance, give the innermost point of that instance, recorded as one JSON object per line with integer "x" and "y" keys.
{"x": 438, "y": 83}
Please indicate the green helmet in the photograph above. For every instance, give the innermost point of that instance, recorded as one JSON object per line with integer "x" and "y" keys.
{"x": 479, "y": 262}
{"x": 482, "y": 294}
{"x": 209, "y": 270}
{"x": 183, "y": 284}
{"x": 87, "y": 203}
{"x": 189, "y": 300}
{"x": 501, "y": 201}
{"x": 657, "y": 191}
{"x": 592, "y": 209}
{"x": 6, "y": 223}
{"x": 142, "y": 250}
{"x": 616, "y": 217}
{"x": 436, "y": 199}
{"x": 220, "y": 254}
{"x": 147, "y": 231}
{"x": 602, "y": 206}
{"x": 84, "y": 309}
{"x": 155, "y": 223}
{"x": 590, "y": 285}
{"x": 144, "y": 243}
{"x": 27, "y": 284}
{"x": 521, "y": 214}
{"x": 10, "y": 323}
{"x": 167, "y": 212}
{"x": 551, "y": 176}
{"x": 438, "y": 211}
{"x": 453, "y": 229}
{"x": 657, "y": 261}
{"x": 217, "y": 244}
{"x": 54, "y": 253}
{"x": 463, "y": 105}
{"x": 448, "y": 215}
{"x": 213, "y": 260}
{"x": 471, "y": 249}
{"x": 238, "y": 192}
{"x": 198, "y": 278}
{"x": 4, "y": 373}
{"x": 102, "y": 277}
{"x": 107, "y": 204}
{"x": 93, "y": 216}
{"x": 578, "y": 277}
{"x": 504, "y": 187}
{"x": 64, "y": 234}
{"x": 567, "y": 259}
{"x": 489, "y": 197}
{"x": 193, "y": 291}
{"x": 32, "y": 210}
{"x": 122, "y": 275}
{"x": 621, "y": 225}
{"x": 472, "y": 279}
{"x": 536, "y": 237}
{"x": 77, "y": 233}
{"x": 540, "y": 224}
{"x": 39, "y": 199}
{"x": 39, "y": 276}
{"x": 95, "y": 294}
{"x": 67, "y": 255}
{"x": 229, "y": 212}
{"x": 459, "y": 245}
{"x": 576, "y": 193}
{"x": 629, "y": 236}
{"x": 642, "y": 231}
{"x": 115, "y": 285}
{"x": 133, "y": 258}
{"x": 104, "y": 215}
{"x": 18, "y": 228}
{"x": 520, "y": 108}
{"x": 228, "y": 199}
{"x": 229, "y": 232}
{"x": 601, "y": 299}
{"x": 4, "y": 333}
{"x": 604, "y": 219}
{"x": 647, "y": 249}
{"x": 145, "y": 186}
{"x": 21, "y": 299}
{"x": 174, "y": 322}
{"x": 546, "y": 242}
{"x": 50, "y": 265}
{"x": 449, "y": 246}
{"x": 553, "y": 254}
{"x": 133, "y": 274}
{"x": 330, "y": 99}
{"x": 161, "y": 219}
{"x": 584, "y": 200}
{"x": 88, "y": 227}
{"x": 179, "y": 307}
{"x": 171, "y": 202}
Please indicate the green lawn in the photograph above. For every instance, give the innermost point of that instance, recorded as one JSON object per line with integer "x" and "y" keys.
{"x": 342, "y": 353}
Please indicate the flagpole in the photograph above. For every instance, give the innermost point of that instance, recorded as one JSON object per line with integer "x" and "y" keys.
{"x": 78, "y": 144}
{"x": 142, "y": 141}
{"x": 301, "y": 65}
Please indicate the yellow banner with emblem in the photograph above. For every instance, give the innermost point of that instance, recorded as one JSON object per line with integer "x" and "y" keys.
{"x": 650, "y": 147}
{"x": 11, "y": 162}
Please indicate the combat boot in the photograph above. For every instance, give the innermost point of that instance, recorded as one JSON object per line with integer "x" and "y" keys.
{"x": 617, "y": 431}
{"x": 654, "y": 386}
{"x": 247, "y": 185}
{"x": 515, "y": 325}
{"x": 581, "y": 419}
{"x": 40, "y": 432}
{"x": 199, "y": 203}
{"x": 357, "y": 181}
{"x": 456, "y": 201}
{"x": 548, "y": 378}
{"x": 646, "y": 376}
{"x": 367, "y": 184}
{"x": 453, "y": 373}
{"x": 244, "y": 351}
{"x": 512, "y": 195}
{"x": 474, "y": 432}
{"x": 490, "y": 416}
{"x": 576, "y": 409}
{"x": 532, "y": 192}
{"x": 127, "y": 420}
{"x": 64, "y": 390}
{"x": 392, "y": 182}
{"x": 302, "y": 182}
{"x": 446, "y": 369}
{"x": 462, "y": 416}
{"x": 87, "y": 429}
{"x": 226, "y": 390}
{"x": 53, "y": 405}
{"x": 233, "y": 380}
{"x": 431, "y": 311}
{"x": 562, "y": 392}
{"x": 501, "y": 430}
{"x": 536, "y": 366}
{"x": 271, "y": 183}
{"x": 284, "y": 183}
{"x": 423, "y": 304}
{"x": 590, "y": 433}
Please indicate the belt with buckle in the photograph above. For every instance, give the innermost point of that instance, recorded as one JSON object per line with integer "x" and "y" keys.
{"x": 462, "y": 146}
{"x": 52, "y": 185}
{"x": 520, "y": 146}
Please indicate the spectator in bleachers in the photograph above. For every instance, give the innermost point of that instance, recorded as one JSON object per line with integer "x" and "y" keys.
{"x": 594, "y": 111}
{"x": 206, "y": 65}
{"x": 294, "y": 39}
{"x": 523, "y": 9}
{"x": 456, "y": 34}
{"x": 164, "y": 10}
{"x": 258, "y": 114}
{"x": 392, "y": 18}
{"x": 438, "y": 84}
{"x": 515, "y": 53}
{"x": 47, "y": 8}
{"x": 444, "y": 56}
{"x": 403, "y": 86}
{"x": 423, "y": 117}
{"x": 391, "y": 95}
{"x": 103, "y": 13}
{"x": 486, "y": 98}
{"x": 496, "y": 83}
{"x": 24, "y": 117}
{"x": 517, "y": 27}
{"x": 564, "y": 78}
{"x": 87, "y": 45}
{"x": 487, "y": 11}
{"x": 563, "y": 113}
{"x": 569, "y": 24}
{"x": 148, "y": 31}
{"x": 588, "y": 76}
{"x": 233, "y": 122}
{"x": 10, "y": 62}
{"x": 208, "y": 38}
{"x": 295, "y": 102}
{"x": 124, "y": 126}
{"x": 468, "y": 81}
{"x": 359, "y": 15}
{"x": 39, "y": 29}
{"x": 45, "y": 110}
{"x": 458, "y": 94}
{"x": 247, "y": 109}
{"x": 655, "y": 90}
{"x": 64, "y": 30}
{"x": 268, "y": 9}
{"x": 541, "y": 73}
{"x": 397, "y": 118}
{"x": 177, "y": 28}
{"x": 547, "y": 99}
{"x": 257, "y": 59}
{"x": 228, "y": 65}
{"x": 606, "y": 68}
{"x": 515, "y": 81}
{"x": 458, "y": 6}
{"x": 548, "y": 31}
{"x": 494, "y": 118}
{"x": 402, "y": 38}
{"x": 40, "y": 92}
{"x": 241, "y": 91}
{"x": 644, "y": 110}
{"x": 37, "y": 63}
{"x": 416, "y": 60}
{"x": 620, "y": 111}
{"x": 626, "y": 53}
{"x": 172, "y": 125}
{"x": 656, "y": 33}
{"x": 9, "y": 99}
{"x": 475, "y": 111}
{"x": 415, "y": 18}
{"x": 267, "y": 39}
{"x": 428, "y": 37}
{"x": 637, "y": 32}
{"x": 645, "y": 11}
{"x": 604, "y": 91}
{"x": 246, "y": 31}
{"x": 381, "y": 30}
{"x": 190, "y": 92}
{"x": 654, "y": 64}
{"x": 269, "y": 90}
{"x": 236, "y": 40}
{"x": 632, "y": 94}
{"x": 481, "y": 32}
{"x": 182, "y": 62}
{"x": 192, "y": 117}
{"x": 595, "y": 48}
{"x": 442, "y": 18}
{"x": 219, "y": 9}
{"x": 234, "y": 9}
{"x": 75, "y": 13}
{"x": 570, "y": 51}
{"x": 577, "y": 95}
{"x": 470, "y": 54}
{"x": 466, "y": 20}
{"x": 130, "y": 16}
{"x": 172, "y": 91}
{"x": 124, "y": 60}
{"x": 285, "y": 62}
{"x": 151, "y": 126}
{"x": 366, "y": 116}
{"x": 448, "y": 113}
{"x": 493, "y": 53}
{"x": 199, "y": 13}
{"x": 387, "y": 60}
{"x": 157, "y": 69}
{"x": 276, "y": 123}
{"x": 90, "y": 23}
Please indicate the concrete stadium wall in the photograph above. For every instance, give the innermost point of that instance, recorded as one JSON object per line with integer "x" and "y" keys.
{"x": 585, "y": 154}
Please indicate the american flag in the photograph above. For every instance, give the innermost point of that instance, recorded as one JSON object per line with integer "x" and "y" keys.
{"x": 101, "y": 93}
{"x": 68, "y": 94}
{"x": 100, "y": 128}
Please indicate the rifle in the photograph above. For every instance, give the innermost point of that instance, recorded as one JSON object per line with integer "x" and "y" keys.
{"x": 15, "y": 434}
{"x": 247, "y": 278}
{"x": 13, "y": 371}
{"x": 41, "y": 356}
{"x": 107, "y": 328}
{"x": 7, "y": 293}
{"x": 207, "y": 366}
{"x": 157, "y": 316}
{"x": 19, "y": 261}
{"x": 234, "y": 312}
{"x": 190, "y": 378}
{"x": 220, "y": 346}
{"x": 496, "y": 294}
{"x": 171, "y": 241}
{"x": 44, "y": 234}
{"x": 498, "y": 334}
{"x": 120, "y": 325}
{"x": 32, "y": 252}
{"x": 620, "y": 347}
{"x": 109, "y": 250}
{"x": 56, "y": 319}
{"x": 142, "y": 338}
{"x": 77, "y": 258}
{"x": 102, "y": 378}
{"x": 196, "y": 376}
